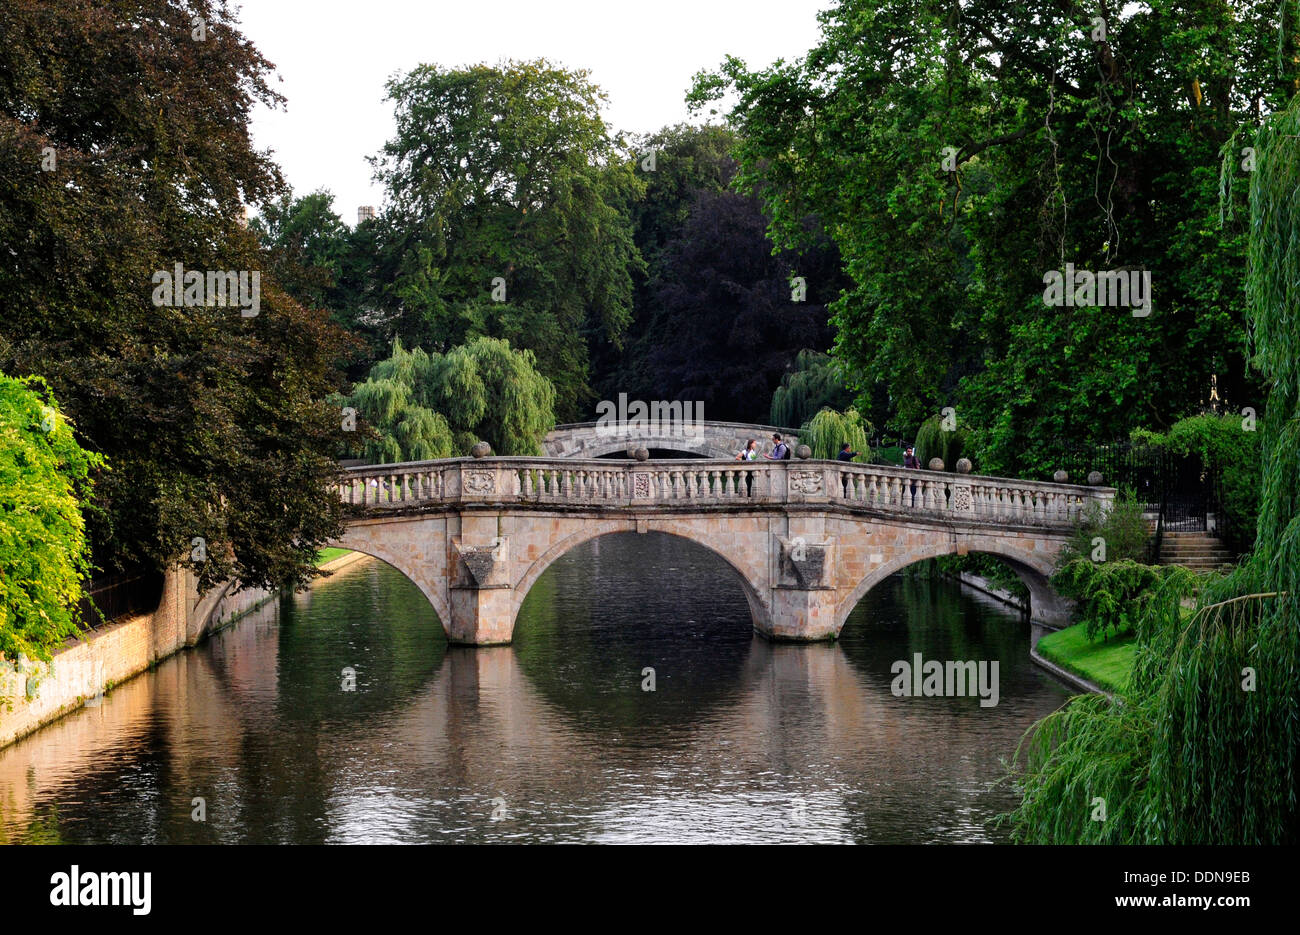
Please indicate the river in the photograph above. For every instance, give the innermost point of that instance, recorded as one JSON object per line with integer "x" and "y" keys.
{"x": 260, "y": 735}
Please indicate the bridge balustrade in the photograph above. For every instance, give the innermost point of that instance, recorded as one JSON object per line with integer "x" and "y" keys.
{"x": 675, "y": 482}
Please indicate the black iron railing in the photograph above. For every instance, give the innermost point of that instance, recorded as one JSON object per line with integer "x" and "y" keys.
{"x": 120, "y": 596}
{"x": 1180, "y": 490}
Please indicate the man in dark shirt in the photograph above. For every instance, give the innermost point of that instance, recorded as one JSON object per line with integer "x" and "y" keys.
{"x": 910, "y": 461}
{"x": 845, "y": 454}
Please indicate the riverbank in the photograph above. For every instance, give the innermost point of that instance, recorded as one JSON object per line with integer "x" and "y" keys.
{"x": 1091, "y": 667}
{"x": 34, "y": 694}
{"x": 1103, "y": 664}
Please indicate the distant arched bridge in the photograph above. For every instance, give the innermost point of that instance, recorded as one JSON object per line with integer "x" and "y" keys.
{"x": 706, "y": 439}
{"x": 807, "y": 539}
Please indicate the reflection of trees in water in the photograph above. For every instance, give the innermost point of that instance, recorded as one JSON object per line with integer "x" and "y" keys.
{"x": 621, "y": 603}
{"x": 395, "y": 644}
{"x": 42, "y": 827}
{"x": 938, "y": 618}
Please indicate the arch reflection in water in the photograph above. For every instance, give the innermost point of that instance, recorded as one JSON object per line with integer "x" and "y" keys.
{"x": 552, "y": 738}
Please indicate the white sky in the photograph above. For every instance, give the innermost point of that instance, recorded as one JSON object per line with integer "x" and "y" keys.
{"x": 333, "y": 57}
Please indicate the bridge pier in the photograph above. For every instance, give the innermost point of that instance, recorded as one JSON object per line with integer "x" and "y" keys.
{"x": 481, "y": 616}
{"x": 482, "y": 599}
{"x": 800, "y": 616}
{"x": 802, "y": 605}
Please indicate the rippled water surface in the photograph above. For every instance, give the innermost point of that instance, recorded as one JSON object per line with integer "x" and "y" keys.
{"x": 552, "y": 738}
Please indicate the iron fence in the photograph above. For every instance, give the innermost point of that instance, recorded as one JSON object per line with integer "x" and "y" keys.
{"x": 119, "y": 596}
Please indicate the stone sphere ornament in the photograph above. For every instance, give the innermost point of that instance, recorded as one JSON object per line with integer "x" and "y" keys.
{"x": 641, "y": 454}
{"x": 481, "y": 450}
{"x": 936, "y": 464}
{"x": 1094, "y": 478}
{"x": 802, "y": 452}
{"x": 1061, "y": 477}
{"x": 964, "y": 466}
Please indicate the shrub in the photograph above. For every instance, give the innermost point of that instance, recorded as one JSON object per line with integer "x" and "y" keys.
{"x": 1121, "y": 528}
{"x": 1113, "y": 596}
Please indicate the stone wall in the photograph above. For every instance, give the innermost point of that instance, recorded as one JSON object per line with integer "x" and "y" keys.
{"x": 111, "y": 654}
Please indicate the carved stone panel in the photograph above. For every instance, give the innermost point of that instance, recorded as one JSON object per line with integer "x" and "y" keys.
{"x": 806, "y": 482}
{"x": 641, "y": 486}
{"x": 804, "y": 565}
{"x": 962, "y": 501}
{"x": 480, "y": 482}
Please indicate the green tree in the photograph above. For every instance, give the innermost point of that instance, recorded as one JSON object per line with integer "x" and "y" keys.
{"x": 1205, "y": 746}
{"x": 828, "y": 429}
{"x": 125, "y": 147}
{"x": 307, "y": 242}
{"x": 427, "y": 406}
{"x": 510, "y": 204}
{"x": 45, "y": 481}
{"x": 814, "y": 384}
{"x": 935, "y": 441}
{"x": 957, "y": 152}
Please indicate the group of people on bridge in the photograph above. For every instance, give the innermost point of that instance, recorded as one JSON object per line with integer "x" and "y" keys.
{"x": 781, "y": 452}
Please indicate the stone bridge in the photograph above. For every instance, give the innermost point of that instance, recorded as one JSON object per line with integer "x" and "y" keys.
{"x": 806, "y": 539}
{"x": 703, "y": 438}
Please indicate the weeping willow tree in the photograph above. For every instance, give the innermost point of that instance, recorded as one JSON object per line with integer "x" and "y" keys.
{"x": 814, "y": 384}
{"x": 1203, "y": 748}
{"x": 934, "y": 441}
{"x": 426, "y": 406}
{"x": 828, "y": 429}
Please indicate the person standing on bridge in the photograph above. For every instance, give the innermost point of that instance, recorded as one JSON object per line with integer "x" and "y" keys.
{"x": 911, "y": 461}
{"x": 780, "y": 450}
{"x": 749, "y": 452}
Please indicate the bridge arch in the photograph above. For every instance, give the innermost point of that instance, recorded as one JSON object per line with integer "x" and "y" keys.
{"x": 752, "y": 590}
{"x": 1034, "y": 571}
{"x": 356, "y": 540}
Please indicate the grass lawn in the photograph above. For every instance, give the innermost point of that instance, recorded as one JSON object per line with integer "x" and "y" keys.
{"x": 1106, "y": 662}
{"x": 328, "y": 555}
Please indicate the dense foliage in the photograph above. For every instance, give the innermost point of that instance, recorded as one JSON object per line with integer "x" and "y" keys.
{"x": 828, "y": 429}
{"x": 125, "y": 150}
{"x": 814, "y": 384}
{"x": 934, "y": 440}
{"x": 957, "y": 152}
{"x": 426, "y": 406}
{"x": 45, "y": 479}
{"x": 1112, "y": 596}
{"x": 1114, "y": 534}
{"x": 1204, "y": 747}
{"x": 508, "y": 217}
